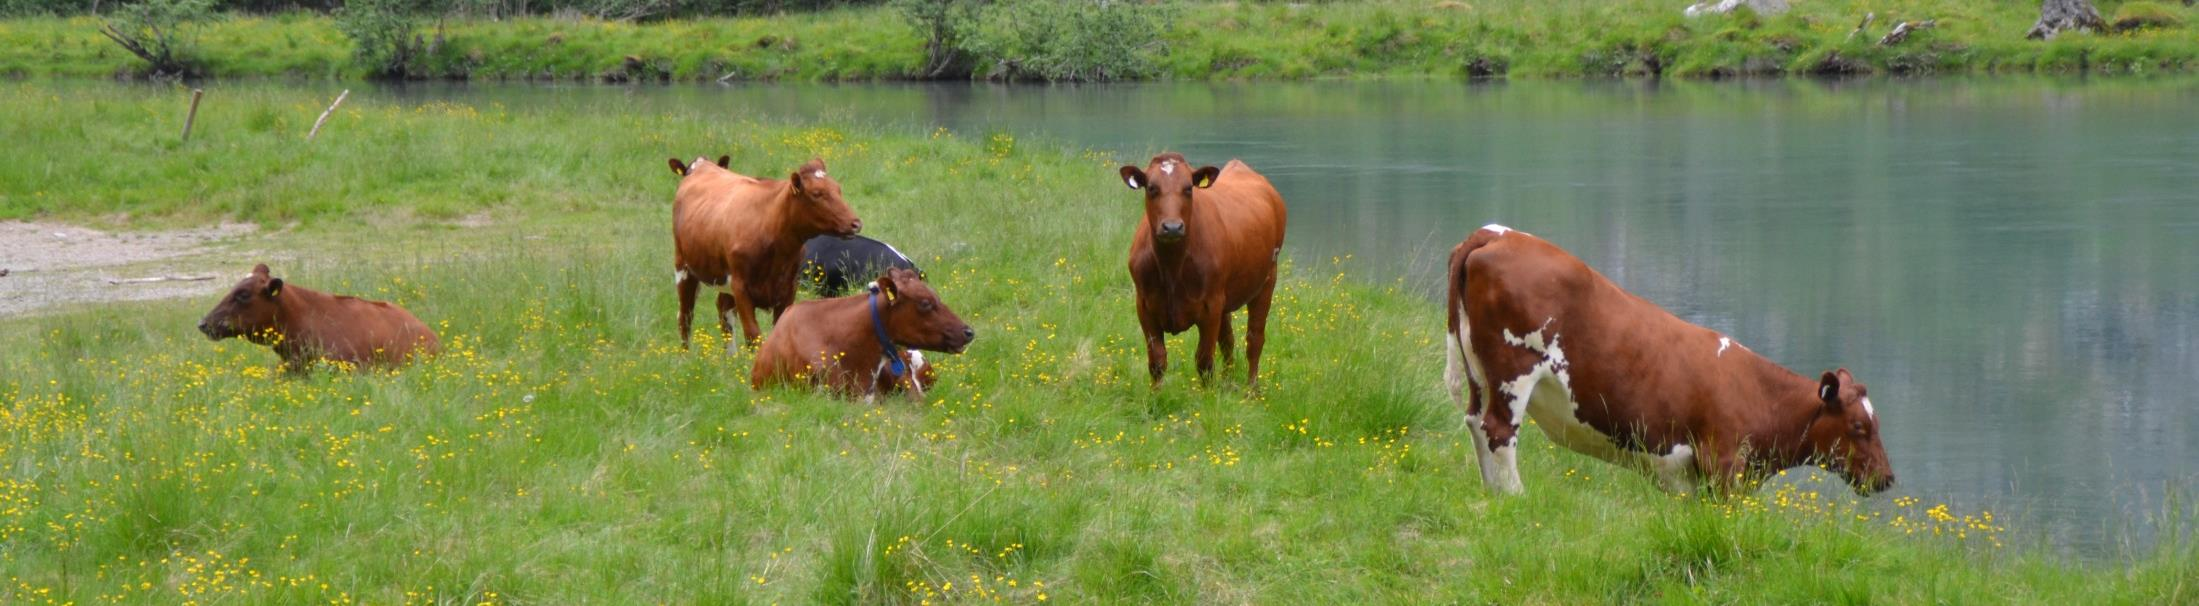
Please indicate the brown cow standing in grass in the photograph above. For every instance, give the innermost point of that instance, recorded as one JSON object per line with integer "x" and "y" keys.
{"x": 305, "y": 325}
{"x": 1536, "y": 332}
{"x": 855, "y": 345}
{"x": 1207, "y": 246}
{"x": 743, "y": 236}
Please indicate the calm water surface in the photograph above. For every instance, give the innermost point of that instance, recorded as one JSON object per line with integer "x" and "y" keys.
{"x": 2012, "y": 265}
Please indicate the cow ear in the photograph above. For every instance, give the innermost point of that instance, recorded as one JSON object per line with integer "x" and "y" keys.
{"x": 678, "y": 168}
{"x": 725, "y": 161}
{"x": 1828, "y": 391}
{"x": 884, "y": 288}
{"x": 1204, "y": 177}
{"x": 1133, "y": 177}
{"x": 274, "y": 288}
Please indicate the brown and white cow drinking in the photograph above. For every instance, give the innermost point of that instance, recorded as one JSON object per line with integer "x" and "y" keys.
{"x": 864, "y": 344}
{"x": 742, "y": 236}
{"x": 1208, "y": 246}
{"x": 1534, "y": 332}
{"x": 304, "y": 326}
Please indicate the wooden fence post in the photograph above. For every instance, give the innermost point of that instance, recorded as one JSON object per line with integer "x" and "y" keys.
{"x": 194, "y": 115}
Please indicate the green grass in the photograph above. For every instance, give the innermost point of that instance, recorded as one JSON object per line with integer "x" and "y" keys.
{"x": 566, "y": 450}
{"x": 1368, "y": 38}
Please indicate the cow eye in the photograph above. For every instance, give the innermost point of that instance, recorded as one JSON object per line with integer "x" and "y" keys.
{"x": 925, "y": 307}
{"x": 1186, "y": 190}
{"x": 242, "y": 297}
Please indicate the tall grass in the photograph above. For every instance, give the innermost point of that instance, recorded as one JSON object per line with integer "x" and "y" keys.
{"x": 1203, "y": 40}
{"x": 565, "y": 449}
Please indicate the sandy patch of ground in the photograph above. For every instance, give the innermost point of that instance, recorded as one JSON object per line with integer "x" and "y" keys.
{"x": 50, "y": 266}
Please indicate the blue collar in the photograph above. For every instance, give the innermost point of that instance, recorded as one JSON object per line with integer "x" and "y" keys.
{"x": 878, "y": 327}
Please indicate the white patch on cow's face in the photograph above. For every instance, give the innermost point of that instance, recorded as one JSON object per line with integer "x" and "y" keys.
{"x": 1501, "y": 469}
{"x": 1873, "y": 414}
{"x": 1723, "y": 343}
{"x": 1499, "y": 229}
{"x": 699, "y": 160}
{"x": 1168, "y": 167}
{"x": 1675, "y": 471}
{"x": 819, "y": 174}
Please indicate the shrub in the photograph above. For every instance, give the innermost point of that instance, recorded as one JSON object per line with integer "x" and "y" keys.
{"x": 2144, "y": 15}
{"x": 162, "y": 32}
{"x": 386, "y": 36}
{"x": 1065, "y": 40}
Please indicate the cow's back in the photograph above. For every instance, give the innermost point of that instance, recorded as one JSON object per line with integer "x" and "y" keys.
{"x": 1240, "y": 226}
{"x": 1631, "y": 366}
{"x": 363, "y": 332}
{"x": 716, "y": 214}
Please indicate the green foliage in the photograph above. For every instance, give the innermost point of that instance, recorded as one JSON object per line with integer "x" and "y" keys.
{"x": 1066, "y": 40}
{"x": 162, "y": 33}
{"x": 1050, "y": 40}
{"x": 386, "y": 36}
{"x": 2145, "y": 15}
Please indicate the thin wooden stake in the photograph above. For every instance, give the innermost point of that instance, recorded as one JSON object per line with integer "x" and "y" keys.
{"x": 188, "y": 119}
{"x": 324, "y": 115}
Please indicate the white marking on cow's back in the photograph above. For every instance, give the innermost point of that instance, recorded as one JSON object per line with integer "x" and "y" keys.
{"x": 1499, "y": 229}
{"x": 1723, "y": 343}
{"x": 897, "y": 253}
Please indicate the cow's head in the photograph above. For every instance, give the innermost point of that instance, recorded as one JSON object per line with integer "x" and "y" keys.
{"x": 248, "y": 310}
{"x": 817, "y": 202}
{"x": 1169, "y": 182}
{"x": 1845, "y": 435}
{"x": 915, "y": 318}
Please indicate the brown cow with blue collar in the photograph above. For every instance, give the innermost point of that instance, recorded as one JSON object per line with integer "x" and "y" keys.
{"x": 864, "y": 344}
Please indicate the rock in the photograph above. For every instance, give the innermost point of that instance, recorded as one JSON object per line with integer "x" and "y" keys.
{"x": 1761, "y": 7}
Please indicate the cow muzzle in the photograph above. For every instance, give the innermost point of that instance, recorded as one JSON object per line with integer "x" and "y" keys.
{"x": 1171, "y": 230}
{"x": 212, "y": 332}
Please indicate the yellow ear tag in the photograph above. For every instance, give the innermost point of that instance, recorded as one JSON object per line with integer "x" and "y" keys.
{"x": 889, "y": 296}
{"x": 1205, "y": 183}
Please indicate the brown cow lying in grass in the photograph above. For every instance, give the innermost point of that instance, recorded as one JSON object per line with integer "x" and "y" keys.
{"x": 742, "y": 236}
{"x": 304, "y": 325}
{"x": 854, "y": 345}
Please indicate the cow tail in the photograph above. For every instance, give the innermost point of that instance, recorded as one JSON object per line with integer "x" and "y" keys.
{"x": 1456, "y": 301}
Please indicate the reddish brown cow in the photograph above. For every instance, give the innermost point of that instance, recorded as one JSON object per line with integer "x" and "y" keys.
{"x": 304, "y": 325}
{"x": 1536, "y": 332}
{"x": 743, "y": 236}
{"x": 1207, "y": 246}
{"x": 864, "y": 344}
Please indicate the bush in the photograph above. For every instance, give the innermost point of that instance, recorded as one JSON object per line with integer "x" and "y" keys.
{"x": 162, "y": 32}
{"x": 2144, "y": 15}
{"x": 1064, "y": 40}
{"x": 386, "y": 35}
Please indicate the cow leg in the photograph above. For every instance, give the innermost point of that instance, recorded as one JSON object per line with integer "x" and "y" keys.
{"x": 725, "y": 315}
{"x": 1227, "y": 343}
{"x": 1156, "y": 349}
{"x": 1256, "y": 332}
{"x": 1468, "y": 392}
{"x": 687, "y": 287}
{"x": 1511, "y": 375}
{"x": 1209, "y": 330}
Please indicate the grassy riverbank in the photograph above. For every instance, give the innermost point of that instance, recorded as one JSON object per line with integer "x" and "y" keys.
{"x": 567, "y": 450}
{"x": 1415, "y": 38}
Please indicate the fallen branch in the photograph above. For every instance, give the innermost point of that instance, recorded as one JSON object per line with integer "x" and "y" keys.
{"x": 1901, "y": 32}
{"x": 324, "y": 114}
{"x": 158, "y": 279}
{"x": 1859, "y": 27}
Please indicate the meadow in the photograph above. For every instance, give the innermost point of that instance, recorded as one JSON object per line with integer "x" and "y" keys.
{"x": 565, "y": 449}
{"x": 1199, "y": 41}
